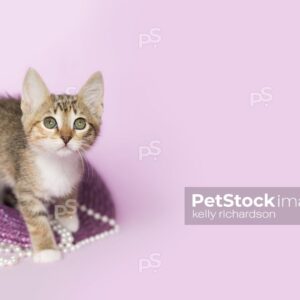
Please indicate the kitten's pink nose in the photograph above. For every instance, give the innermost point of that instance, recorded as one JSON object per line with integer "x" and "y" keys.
{"x": 66, "y": 139}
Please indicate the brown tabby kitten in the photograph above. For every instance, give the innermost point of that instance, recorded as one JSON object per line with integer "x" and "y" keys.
{"x": 41, "y": 142}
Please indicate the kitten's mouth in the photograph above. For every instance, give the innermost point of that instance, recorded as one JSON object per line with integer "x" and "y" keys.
{"x": 65, "y": 149}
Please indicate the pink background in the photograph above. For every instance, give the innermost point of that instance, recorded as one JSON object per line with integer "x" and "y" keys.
{"x": 191, "y": 92}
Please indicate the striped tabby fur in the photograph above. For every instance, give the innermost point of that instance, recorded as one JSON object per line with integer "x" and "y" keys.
{"x": 41, "y": 164}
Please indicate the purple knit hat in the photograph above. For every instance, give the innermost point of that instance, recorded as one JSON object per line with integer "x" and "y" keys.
{"x": 97, "y": 220}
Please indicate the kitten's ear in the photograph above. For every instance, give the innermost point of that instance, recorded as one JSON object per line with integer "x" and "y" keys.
{"x": 35, "y": 92}
{"x": 91, "y": 94}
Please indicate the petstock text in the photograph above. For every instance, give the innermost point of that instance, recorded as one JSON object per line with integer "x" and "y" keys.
{"x": 242, "y": 206}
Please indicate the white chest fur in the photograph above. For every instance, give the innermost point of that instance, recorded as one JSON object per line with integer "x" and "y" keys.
{"x": 58, "y": 175}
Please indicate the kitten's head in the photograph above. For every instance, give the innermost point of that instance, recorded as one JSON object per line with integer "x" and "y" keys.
{"x": 61, "y": 124}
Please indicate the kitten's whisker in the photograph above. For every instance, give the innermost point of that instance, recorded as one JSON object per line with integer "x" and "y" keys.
{"x": 82, "y": 160}
{"x": 89, "y": 169}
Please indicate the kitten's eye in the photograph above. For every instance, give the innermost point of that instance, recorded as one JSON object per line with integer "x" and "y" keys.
{"x": 79, "y": 124}
{"x": 50, "y": 123}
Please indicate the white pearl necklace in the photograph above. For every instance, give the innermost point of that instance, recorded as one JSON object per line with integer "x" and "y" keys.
{"x": 11, "y": 254}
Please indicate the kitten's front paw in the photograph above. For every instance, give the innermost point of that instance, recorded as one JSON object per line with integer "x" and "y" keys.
{"x": 47, "y": 256}
{"x": 71, "y": 223}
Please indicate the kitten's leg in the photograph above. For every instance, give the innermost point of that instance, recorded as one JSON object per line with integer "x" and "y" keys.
{"x": 65, "y": 210}
{"x": 36, "y": 218}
